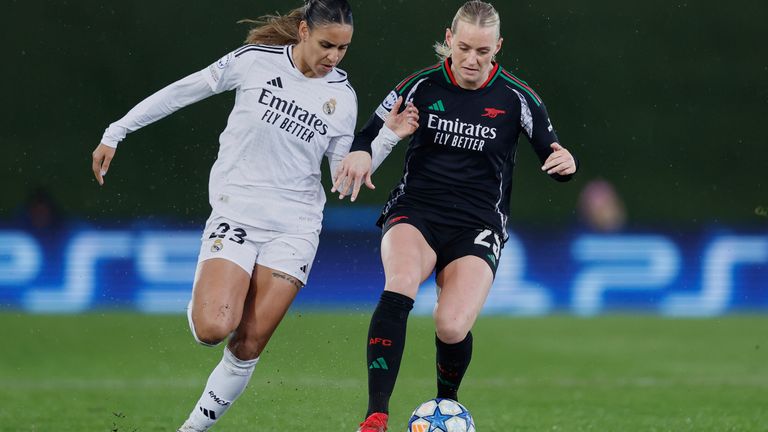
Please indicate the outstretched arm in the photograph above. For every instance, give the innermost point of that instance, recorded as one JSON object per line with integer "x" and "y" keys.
{"x": 225, "y": 74}
{"x": 184, "y": 92}
{"x": 168, "y": 100}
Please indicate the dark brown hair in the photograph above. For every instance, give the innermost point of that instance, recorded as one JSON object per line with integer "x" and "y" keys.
{"x": 284, "y": 29}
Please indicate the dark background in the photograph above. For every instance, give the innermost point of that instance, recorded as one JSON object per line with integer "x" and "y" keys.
{"x": 667, "y": 100}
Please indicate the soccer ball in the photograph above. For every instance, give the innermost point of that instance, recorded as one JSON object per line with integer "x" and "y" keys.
{"x": 441, "y": 415}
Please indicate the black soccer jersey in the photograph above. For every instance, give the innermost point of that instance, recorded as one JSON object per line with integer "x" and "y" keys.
{"x": 458, "y": 167}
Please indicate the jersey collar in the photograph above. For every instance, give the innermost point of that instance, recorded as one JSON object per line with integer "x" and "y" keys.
{"x": 289, "y": 54}
{"x": 450, "y": 78}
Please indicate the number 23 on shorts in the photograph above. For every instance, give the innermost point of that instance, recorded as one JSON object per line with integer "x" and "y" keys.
{"x": 494, "y": 245}
{"x": 236, "y": 235}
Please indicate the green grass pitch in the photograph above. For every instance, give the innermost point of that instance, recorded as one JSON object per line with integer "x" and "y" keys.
{"x": 122, "y": 372}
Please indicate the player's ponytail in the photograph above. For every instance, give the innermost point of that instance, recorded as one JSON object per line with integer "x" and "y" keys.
{"x": 284, "y": 29}
{"x": 474, "y": 12}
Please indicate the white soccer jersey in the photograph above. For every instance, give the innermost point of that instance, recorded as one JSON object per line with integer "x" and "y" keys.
{"x": 267, "y": 173}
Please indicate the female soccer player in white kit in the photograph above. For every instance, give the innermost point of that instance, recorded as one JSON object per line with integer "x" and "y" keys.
{"x": 292, "y": 106}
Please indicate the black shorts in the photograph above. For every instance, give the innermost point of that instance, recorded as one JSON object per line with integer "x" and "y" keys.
{"x": 449, "y": 242}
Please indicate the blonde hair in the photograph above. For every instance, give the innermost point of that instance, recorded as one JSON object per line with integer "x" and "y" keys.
{"x": 284, "y": 29}
{"x": 474, "y": 12}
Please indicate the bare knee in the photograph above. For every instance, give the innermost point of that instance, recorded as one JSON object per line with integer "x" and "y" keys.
{"x": 452, "y": 330}
{"x": 403, "y": 283}
{"x": 211, "y": 331}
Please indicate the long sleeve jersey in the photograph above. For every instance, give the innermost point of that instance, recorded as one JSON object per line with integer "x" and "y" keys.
{"x": 267, "y": 173}
{"x": 459, "y": 162}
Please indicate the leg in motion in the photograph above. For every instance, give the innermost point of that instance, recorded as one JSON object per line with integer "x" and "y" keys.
{"x": 269, "y": 297}
{"x": 408, "y": 260}
{"x": 465, "y": 284}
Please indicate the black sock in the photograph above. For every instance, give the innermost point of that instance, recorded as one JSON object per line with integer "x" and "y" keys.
{"x": 452, "y": 362}
{"x": 386, "y": 342}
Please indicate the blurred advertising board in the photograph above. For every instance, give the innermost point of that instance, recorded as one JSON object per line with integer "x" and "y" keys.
{"x": 151, "y": 270}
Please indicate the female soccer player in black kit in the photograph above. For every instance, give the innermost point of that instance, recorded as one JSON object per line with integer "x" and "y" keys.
{"x": 449, "y": 211}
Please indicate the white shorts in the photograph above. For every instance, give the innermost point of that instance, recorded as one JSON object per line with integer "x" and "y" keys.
{"x": 247, "y": 246}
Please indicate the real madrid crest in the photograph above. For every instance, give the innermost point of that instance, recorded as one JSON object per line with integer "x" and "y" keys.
{"x": 217, "y": 246}
{"x": 330, "y": 107}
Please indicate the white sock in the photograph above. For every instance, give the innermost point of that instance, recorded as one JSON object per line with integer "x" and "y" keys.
{"x": 226, "y": 383}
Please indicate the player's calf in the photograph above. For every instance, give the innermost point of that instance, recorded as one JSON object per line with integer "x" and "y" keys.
{"x": 452, "y": 361}
{"x": 225, "y": 384}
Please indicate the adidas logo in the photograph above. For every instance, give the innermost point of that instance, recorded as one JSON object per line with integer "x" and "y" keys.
{"x": 492, "y": 259}
{"x": 211, "y": 414}
{"x": 437, "y": 106}
{"x": 379, "y": 363}
{"x": 304, "y": 268}
{"x": 277, "y": 82}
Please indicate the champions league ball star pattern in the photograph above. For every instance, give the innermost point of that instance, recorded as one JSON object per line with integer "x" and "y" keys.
{"x": 441, "y": 415}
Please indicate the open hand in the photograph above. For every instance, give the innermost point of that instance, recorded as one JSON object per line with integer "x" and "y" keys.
{"x": 405, "y": 123}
